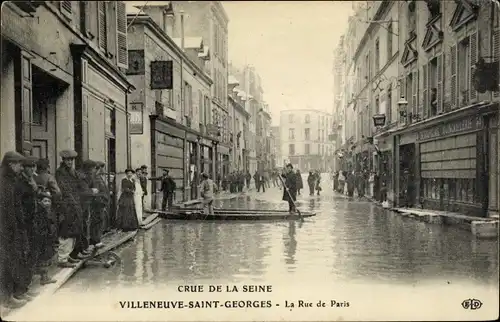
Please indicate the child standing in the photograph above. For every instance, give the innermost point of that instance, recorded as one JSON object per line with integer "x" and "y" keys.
{"x": 45, "y": 236}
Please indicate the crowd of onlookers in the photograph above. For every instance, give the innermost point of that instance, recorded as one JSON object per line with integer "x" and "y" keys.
{"x": 347, "y": 182}
{"x": 48, "y": 219}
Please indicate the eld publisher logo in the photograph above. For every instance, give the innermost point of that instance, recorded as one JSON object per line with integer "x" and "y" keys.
{"x": 472, "y": 304}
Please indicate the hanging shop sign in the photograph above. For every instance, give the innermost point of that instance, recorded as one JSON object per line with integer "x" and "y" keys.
{"x": 162, "y": 74}
{"x": 136, "y": 118}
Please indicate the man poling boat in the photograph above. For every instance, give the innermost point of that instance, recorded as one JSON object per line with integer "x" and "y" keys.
{"x": 289, "y": 181}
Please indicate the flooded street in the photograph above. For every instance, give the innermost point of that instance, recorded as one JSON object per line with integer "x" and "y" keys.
{"x": 352, "y": 252}
{"x": 347, "y": 242}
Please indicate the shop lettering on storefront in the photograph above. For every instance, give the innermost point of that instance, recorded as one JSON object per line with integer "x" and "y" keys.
{"x": 455, "y": 127}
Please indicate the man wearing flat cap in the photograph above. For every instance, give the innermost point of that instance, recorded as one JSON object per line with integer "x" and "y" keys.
{"x": 10, "y": 229}
{"x": 27, "y": 191}
{"x": 69, "y": 210}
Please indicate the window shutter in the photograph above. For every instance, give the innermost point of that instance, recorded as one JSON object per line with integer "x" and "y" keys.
{"x": 453, "y": 78}
{"x": 414, "y": 93}
{"x": 496, "y": 55}
{"x": 25, "y": 101}
{"x": 440, "y": 80}
{"x": 402, "y": 87}
{"x": 66, "y": 8}
{"x": 121, "y": 35}
{"x": 425, "y": 91}
{"x": 474, "y": 55}
{"x": 102, "y": 26}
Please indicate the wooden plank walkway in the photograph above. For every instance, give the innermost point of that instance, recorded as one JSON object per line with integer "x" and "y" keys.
{"x": 62, "y": 275}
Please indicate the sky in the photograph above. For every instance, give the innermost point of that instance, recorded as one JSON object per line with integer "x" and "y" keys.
{"x": 291, "y": 45}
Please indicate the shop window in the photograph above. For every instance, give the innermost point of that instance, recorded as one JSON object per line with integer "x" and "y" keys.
{"x": 452, "y": 186}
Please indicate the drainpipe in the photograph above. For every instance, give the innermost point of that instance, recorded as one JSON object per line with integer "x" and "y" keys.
{"x": 182, "y": 29}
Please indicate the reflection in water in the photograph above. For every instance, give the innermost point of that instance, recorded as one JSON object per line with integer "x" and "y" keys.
{"x": 347, "y": 240}
{"x": 290, "y": 246}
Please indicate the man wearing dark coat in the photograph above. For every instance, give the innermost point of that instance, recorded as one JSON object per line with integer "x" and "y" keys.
{"x": 27, "y": 191}
{"x": 300, "y": 182}
{"x": 248, "y": 178}
{"x": 96, "y": 202}
{"x": 311, "y": 182}
{"x": 103, "y": 201}
{"x": 143, "y": 180}
{"x": 70, "y": 213}
{"x": 11, "y": 250}
{"x": 168, "y": 187}
{"x": 290, "y": 189}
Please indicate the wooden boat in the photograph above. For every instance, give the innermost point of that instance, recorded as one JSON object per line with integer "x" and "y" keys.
{"x": 238, "y": 210}
{"x": 233, "y": 215}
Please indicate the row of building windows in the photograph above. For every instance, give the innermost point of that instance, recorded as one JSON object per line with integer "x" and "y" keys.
{"x": 307, "y": 119}
{"x": 322, "y": 149}
{"x": 307, "y": 134}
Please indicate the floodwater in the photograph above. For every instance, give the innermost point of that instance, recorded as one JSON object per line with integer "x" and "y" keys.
{"x": 348, "y": 242}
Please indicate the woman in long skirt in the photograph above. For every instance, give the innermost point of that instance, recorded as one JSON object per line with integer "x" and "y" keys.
{"x": 126, "y": 218}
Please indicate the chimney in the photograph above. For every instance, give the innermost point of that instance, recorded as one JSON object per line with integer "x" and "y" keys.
{"x": 165, "y": 23}
{"x": 182, "y": 29}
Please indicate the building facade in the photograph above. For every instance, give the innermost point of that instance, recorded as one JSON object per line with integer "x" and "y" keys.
{"x": 438, "y": 128}
{"x": 63, "y": 82}
{"x": 447, "y": 140}
{"x": 263, "y": 139}
{"x": 338, "y": 108}
{"x": 252, "y": 93}
{"x": 371, "y": 57}
{"x": 190, "y": 20}
{"x": 169, "y": 107}
{"x": 304, "y": 137}
{"x": 276, "y": 146}
{"x": 239, "y": 128}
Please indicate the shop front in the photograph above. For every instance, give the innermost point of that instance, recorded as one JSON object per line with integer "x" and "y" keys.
{"x": 223, "y": 161}
{"x": 193, "y": 175}
{"x": 382, "y": 177}
{"x": 454, "y": 162}
{"x": 168, "y": 153}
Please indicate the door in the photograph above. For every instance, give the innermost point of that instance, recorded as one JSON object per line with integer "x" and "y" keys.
{"x": 407, "y": 175}
{"x": 44, "y": 126}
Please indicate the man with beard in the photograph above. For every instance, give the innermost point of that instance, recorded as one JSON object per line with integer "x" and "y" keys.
{"x": 27, "y": 191}
{"x": 69, "y": 211}
{"x": 10, "y": 229}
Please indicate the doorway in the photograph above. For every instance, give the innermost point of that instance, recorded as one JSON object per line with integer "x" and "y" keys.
{"x": 407, "y": 175}
{"x": 46, "y": 90}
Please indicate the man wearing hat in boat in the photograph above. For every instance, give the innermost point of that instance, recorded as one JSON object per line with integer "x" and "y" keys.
{"x": 70, "y": 210}
{"x": 10, "y": 229}
{"x": 207, "y": 189}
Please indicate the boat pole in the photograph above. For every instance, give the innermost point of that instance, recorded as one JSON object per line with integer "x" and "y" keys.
{"x": 290, "y": 196}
